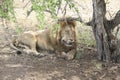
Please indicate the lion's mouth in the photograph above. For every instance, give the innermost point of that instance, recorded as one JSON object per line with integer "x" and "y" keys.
{"x": 67, "y": 43}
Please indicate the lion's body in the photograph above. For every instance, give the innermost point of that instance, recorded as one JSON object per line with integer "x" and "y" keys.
{"x": 62, "y": 40}
{"x": 45, "y": 40}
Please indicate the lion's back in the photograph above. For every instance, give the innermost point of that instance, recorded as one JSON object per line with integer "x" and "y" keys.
{"x": 45, "y": 40}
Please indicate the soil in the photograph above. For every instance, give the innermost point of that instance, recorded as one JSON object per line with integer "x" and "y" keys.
{"x": 29, "y": 67}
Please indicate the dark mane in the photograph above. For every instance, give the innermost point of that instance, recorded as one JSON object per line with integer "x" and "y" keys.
{"x": 67, "y": 20}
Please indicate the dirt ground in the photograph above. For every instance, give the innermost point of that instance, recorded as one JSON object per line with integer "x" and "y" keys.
{"x": 29, "y": 67}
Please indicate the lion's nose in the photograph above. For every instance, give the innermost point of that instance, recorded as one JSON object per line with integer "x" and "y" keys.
{"x": 63, "y": 40}
{"x": 71, "y": 40}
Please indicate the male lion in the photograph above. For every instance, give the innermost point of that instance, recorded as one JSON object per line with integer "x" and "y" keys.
{"x": 60, "y": 38}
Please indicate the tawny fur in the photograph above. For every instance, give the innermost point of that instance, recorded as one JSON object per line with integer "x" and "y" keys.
{"x": 60, "y": 38}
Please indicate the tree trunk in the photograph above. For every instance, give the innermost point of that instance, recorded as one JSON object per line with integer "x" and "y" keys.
{"x": 106, "y": 44}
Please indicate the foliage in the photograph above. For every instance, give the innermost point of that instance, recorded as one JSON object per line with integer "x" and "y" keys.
{"x": 40, "y": 6}
{"x": 51, "y": 6}
{"x": 7, "y": 9}
{"x": 86, "y": 39}
{"x": 85, "y": 36}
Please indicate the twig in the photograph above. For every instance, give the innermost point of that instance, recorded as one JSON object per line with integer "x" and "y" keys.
{"x": 80, "y": 19}
{"x": 110, "y": 14}
{"x": 118, "y": 28}
{"x": 26, "y": 3}
{"x": 28, "y": 13}
{"x": 64, "y": 10}
{"x": 115, "y": 21}
{"x": 50, "y": 12}
{"x": 59, "y": 6}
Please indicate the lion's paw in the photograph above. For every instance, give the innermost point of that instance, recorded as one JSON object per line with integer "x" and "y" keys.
{"x": 69, "y": 57}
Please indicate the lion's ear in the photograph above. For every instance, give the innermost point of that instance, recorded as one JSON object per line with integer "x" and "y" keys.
{"x": 73, "y": 23}
{"x": 62, "y": 23}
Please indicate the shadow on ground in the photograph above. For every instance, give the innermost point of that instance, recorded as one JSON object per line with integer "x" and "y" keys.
{"x": 28, "y": 67}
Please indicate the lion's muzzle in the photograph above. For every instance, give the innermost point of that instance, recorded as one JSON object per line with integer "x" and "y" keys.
{"x": 68, "y": 43}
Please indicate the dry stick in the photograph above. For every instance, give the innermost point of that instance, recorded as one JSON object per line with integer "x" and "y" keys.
{"x": 115, "y": 21}
{"x": 29, "y": 12}
{"x": 64, "y": 10}
{"x": 50, "y": 12}
{"x": 30, "y": 9}
{"x": 118, "y": 28}
{"x": 80, "y": 19}
{"x": 27, "y": 4}
{"x": 110, "y": 14}
{"x": 59, "y": 6}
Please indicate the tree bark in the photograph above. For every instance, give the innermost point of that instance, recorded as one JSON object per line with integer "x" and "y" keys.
{"x": 99, "y": 11}
{"x": 107, "y": 47}
{"x": 114, "y": 22}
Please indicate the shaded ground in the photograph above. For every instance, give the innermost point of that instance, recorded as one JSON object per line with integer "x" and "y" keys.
{"x": 28, "y": 67}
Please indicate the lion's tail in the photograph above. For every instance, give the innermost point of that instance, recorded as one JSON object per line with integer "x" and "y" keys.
{"x": 14, "y": 43}
{"x": 19, "y": 51}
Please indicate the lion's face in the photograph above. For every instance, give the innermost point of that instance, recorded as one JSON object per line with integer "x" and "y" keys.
{"x": 68, "y": 35}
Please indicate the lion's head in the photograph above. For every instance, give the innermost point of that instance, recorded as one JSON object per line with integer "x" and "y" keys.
{"x": 67, "y": 34}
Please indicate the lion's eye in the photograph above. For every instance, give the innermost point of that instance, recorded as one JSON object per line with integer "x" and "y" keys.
{"x": 66, "y": 31}
{"x": 72, "y": 33}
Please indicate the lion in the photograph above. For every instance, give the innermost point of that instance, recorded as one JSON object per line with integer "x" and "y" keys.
{"x": 60, "y": 38}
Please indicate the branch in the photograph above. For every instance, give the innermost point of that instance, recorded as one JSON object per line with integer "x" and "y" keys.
{"x": 79, "y": 18}
{"x": 28, "y": 12}
{"x": 59, "y": 6}
{"x": 114, "y": 22}
{"x": 64, "y": 10}
{"x": 90, "y": 23}
{"x": 50, "y": 12}
{"x": 26, "y": 4}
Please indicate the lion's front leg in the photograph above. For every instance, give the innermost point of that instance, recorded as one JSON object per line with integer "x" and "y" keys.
{"x": 71, "y": 54}
{"x": 68, "y": 56}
